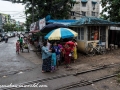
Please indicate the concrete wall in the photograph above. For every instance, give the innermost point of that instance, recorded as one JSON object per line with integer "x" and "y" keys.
{"x": 107, "y": 28}
{"x": 81, "y": 45}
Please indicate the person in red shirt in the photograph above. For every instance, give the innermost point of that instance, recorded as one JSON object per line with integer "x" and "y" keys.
{"x": 17, "y": 46}
{"x": 63, "y": 53}
{"x": 68, "y": 55}
{"x": 71, "y": 45}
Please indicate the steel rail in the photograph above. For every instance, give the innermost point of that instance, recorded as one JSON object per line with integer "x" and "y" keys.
{"x": 86, "y": 83}
{"x": 98, "y": 68}
{"x": 63, "y": 75}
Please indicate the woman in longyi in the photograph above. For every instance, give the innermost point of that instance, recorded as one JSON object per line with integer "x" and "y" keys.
{"x": 96, "y": 35}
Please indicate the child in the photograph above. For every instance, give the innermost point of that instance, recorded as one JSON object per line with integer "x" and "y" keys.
{"x": 57, "y": 51}
{"x": 17, "y": 46}
{"x": 68, "y": 51}
{"x": 53, "y": 61}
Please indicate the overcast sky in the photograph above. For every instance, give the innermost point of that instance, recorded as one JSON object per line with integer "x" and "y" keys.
{"x": 15, "y": 10}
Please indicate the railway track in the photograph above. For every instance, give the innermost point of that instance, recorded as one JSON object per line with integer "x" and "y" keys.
{"x": 92, "y": 77}
{"x": 86, "y": 82}
{"x": 76, "y": 84}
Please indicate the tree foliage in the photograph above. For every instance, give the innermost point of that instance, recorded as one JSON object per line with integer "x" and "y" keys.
{"x": 58, "y": 9}
{"x": 12, "y": 27}
{"x": 112, "y": 9}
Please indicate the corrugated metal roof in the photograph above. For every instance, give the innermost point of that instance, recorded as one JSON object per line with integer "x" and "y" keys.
{"x": 65, "y": 22}
{"x": 91, "y": 21}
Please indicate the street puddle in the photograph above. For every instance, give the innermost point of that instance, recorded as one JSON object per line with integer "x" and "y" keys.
{"x": 4, "y": 76}
{"x": 20, "y": 72}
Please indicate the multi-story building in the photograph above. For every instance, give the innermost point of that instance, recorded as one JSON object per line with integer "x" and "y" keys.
{"x": 85, "y": 8}
{"x": 4, "y": 18}
{"x": 12, "y": 21}
{"x": 0, "y": 23}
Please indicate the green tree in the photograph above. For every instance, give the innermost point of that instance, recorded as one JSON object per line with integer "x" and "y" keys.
{"x": 111, "y": 7}
{"x": 58, "y": 9}
{"x": 12, "y": 27}
{"x": 8, "y": 27}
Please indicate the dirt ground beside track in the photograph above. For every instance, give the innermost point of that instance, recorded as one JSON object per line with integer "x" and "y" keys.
{"x": 85, "y": 62}
{"x": 111, "y": 57}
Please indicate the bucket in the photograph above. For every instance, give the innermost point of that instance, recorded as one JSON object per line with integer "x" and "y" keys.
{"x": 116, "y": 46}
{"x": 111, "y": 46}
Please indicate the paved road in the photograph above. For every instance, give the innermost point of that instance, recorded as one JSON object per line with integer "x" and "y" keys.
{"x": 10, "y": 61}
{"x": 25, "y": 67}
{"x": 20, "y": 68}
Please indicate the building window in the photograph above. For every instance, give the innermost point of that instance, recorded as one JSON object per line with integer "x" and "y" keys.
{"x": 80, "y": 32}
{"x": 93, "y": 5}
{"x": 103, "y": 34}
{"x": 72, "y": 13}
{"x": 83, "y": 13}
{"x": 93, "y": 33}
{"x": 93, "y": 13}
{"x": 83, "y": 4}
{"x": 72, "y": 2}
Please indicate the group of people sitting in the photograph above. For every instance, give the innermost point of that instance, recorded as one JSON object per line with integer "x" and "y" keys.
{"x": 56, "y": 53}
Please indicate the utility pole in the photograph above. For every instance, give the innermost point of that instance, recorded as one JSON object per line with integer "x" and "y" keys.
{"x": 32, "y": 11}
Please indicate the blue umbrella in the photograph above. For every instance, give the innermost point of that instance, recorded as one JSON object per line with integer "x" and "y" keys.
{"x": 60, "y": 33}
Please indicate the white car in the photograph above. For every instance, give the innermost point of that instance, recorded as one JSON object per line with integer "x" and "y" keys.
{"x": 9, "y": 35}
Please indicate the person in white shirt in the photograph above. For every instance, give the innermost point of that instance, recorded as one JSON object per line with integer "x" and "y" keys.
{"x": 48, "y": 45}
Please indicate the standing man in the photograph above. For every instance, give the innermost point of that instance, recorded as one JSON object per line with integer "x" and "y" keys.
{"x": 6, "y": 38}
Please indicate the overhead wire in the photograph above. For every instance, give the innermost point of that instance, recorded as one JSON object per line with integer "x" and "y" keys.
{"x": 20, "y": 18}
{"x": 9, "y": 11}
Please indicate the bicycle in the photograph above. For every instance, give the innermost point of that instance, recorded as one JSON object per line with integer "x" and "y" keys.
{"x": 38, "y": 50}
{"x": 91, "y": 50}
{"x": 24, "y": 46}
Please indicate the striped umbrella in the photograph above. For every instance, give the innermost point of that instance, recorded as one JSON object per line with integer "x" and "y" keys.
{"x": 60, "y": 33}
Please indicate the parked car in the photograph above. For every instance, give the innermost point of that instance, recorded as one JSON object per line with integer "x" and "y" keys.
{"x": 2, "y": 36}
{"x": 12, "y": 34}
{"x": 22, "y": 32}
{"x": 8, "y": 34}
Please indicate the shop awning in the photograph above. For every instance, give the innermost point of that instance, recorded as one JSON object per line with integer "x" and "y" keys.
{"x": 84, "y": 1}
{"x": 94, "y": 2}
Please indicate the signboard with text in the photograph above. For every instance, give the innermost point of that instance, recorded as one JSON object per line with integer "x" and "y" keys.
{"x": 32, "y": 26}
{"x": 42, "y": 23}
